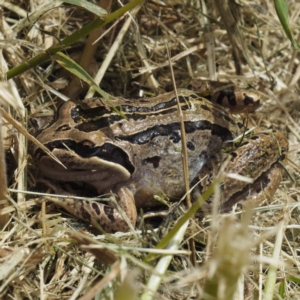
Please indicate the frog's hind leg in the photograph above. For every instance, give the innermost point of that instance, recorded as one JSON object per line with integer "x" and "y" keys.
{"x": 260, "y": 190}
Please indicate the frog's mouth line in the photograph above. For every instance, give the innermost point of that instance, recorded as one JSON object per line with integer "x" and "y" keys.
{"x": 107, "y": 152}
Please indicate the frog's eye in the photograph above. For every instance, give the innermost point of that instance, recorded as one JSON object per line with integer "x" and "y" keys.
{"x": 86, "y": 149}
{"x": 76, "y": 111}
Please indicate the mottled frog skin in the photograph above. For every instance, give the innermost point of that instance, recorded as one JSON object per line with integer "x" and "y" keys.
{"x": 141, "y": 156}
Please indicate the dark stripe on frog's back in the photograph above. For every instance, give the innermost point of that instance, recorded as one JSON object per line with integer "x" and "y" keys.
{"x": 98, "y": 118}
{"x": 172, "y": 130}
{"x": 226, "y": 95}
{"x": 113, "y": 118}
{"x": 137, "y": 109}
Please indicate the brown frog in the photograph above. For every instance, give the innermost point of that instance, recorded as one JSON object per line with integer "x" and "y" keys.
{"x": 141, "y": 156}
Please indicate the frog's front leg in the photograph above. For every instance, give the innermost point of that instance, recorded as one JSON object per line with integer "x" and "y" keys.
{"x": 97, "y": 213}
{"x": 107, "y": 216}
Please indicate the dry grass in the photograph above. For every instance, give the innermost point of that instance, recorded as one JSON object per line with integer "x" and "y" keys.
{"x": 255, "y": 256}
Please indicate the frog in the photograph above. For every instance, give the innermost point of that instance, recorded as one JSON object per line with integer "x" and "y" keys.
{"x": 137, "y": 155}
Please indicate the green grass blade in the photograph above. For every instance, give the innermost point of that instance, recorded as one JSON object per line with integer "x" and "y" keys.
{"x": 70, "y": 65}
{"x": 189, "y": 214}
{"x": 91, "y": 7}
{"x": 281, "y": 291}
{"x": 282, "y": 12}
{"x": 294, "y": 279}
